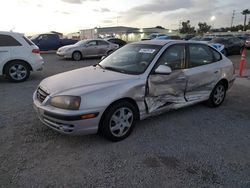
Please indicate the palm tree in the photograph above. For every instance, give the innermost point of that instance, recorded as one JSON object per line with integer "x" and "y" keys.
{"x": 245, "y": 13}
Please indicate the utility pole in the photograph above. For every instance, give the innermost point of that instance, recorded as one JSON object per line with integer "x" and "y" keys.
{"x": 233, "y": 16}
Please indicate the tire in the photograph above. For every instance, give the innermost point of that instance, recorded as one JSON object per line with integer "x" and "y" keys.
{"x": 118, "y": 121}
{"x": 241, "y": 50}
{"x": 217, "y": 96}
{"x": 109, "y": 52}
{"x": 76, "y": 56}
{"x": 17, "y": 71}
{"x": 225, "y": 52}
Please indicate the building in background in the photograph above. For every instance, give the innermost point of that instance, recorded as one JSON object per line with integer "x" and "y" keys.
{"x": 75, "y": 35}
{"x": 129, "y": 34}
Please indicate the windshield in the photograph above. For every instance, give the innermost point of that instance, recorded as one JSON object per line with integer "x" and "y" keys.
{"x": 206, "y": 39}
{"x": 131, "y": 59}
{"x": 80, "y": 43}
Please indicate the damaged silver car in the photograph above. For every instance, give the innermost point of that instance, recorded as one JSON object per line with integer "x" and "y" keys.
{"x": 137, "y": 81}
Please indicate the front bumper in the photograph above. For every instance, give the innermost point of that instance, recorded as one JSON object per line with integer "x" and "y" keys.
{"x": 64, "y": 54}
{"x": 65, "y": 121}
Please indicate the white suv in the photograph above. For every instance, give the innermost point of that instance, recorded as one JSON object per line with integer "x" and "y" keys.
{"x": 18, "y": 56}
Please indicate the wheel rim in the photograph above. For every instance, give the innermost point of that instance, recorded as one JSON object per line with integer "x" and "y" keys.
{"x": 121, "y": 121}
{"x": 77, "y": 56}
{"x": 219, "y": 94}
{"x": 18, "y": 72}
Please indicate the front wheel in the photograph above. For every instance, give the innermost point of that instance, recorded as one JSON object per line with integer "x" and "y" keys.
{"x": 217, "y": 96}
{"x": 118, "y": 121}
{"x": 17, "y": 71}
{"x": 77, "y": 56}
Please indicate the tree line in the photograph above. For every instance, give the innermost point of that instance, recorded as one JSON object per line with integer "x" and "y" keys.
{"x": 203, "y": 27}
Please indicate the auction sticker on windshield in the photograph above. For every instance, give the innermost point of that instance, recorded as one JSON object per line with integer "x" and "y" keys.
{"x": 147, "y": 51}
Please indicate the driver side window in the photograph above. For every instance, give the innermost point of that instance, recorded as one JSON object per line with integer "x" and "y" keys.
{"x": 92, "y": 43}
{"x": 174, "y": 57}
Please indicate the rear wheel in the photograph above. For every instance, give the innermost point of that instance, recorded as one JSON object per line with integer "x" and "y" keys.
{"x": 17, "y": 71}
{"x": 77, "y": 56}
{"x": 118, "y": 121}
{"x": 225, "y": 52}
{"x": 218, "y": 95}
{"x": 241, "y": 50}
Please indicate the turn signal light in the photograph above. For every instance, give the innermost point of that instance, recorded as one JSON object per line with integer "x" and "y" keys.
{"x": 89, "y": 116}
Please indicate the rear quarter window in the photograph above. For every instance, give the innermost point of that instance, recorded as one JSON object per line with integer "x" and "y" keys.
{"x": 217, "y": 55}
{"x": 28, "y": 41}
{"x": 7, "y": 40}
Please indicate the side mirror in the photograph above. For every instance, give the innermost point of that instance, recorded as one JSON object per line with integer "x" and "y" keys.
{"x": 103, "y": 57}
{"x": 163, "y": 69}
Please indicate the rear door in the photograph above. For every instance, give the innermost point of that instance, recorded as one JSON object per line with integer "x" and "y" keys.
{"x": 7, "y": 43}
{"x": 103, "y": 47}
{"x": 167, "y": 91}
{"x": 203, "y": 71}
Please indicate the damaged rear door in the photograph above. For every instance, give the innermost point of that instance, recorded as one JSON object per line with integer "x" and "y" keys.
{"x": 203, "y": 72}
{"x": 166, "y": 91}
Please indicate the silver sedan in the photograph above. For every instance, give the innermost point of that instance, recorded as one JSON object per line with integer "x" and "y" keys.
{"x": 87, "y": 48}
{"x": 137, "y": 81}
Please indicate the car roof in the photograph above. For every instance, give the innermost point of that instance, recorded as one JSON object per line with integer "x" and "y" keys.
{"x": 10, "y": 33}
{"x": 164, "y": 42}
{"x": 154, "y": 42}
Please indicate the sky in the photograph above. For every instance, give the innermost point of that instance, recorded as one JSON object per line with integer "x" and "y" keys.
{"x": 37, "y": 16}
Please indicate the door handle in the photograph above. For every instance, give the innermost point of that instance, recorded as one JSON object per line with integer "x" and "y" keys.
{"x": 215, "y": 72}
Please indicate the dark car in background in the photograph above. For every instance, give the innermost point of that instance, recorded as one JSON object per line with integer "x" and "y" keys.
{"x": 120, "y": 42}
{"x": 187, "y": 36}
{"x": 200, "y": 38}
{"x": 168, "y": 37}
{"x": 50, "y": 41}
{"x": 233, "y": 45}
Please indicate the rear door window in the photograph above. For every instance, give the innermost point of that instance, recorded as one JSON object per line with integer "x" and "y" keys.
{"x": 199, "y": 55}
{"x": 100, "y": 42}
{"x": 7, "y": 40}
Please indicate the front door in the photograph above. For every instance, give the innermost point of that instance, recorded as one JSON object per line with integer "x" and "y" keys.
{"x": 167, "y": 91}
{"x": 91, "y": 48}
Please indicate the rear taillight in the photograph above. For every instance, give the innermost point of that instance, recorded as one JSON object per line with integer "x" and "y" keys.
{"x": 36, "y": 51}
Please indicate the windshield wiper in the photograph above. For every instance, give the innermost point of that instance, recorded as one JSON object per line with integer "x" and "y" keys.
{"x": 114, "y": 69}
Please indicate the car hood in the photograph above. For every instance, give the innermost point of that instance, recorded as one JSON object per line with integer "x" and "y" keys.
{"x": 67, "y": 47}
{"x": 88, "y": 77}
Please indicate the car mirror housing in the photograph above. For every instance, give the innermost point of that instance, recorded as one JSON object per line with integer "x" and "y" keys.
{"x": 163, "y": 69}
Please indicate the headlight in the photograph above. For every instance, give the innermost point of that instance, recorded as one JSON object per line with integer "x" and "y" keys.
{"x": 66, "y": 102}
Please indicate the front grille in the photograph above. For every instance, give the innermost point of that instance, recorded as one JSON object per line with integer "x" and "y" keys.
{"x": 41, "y": 94}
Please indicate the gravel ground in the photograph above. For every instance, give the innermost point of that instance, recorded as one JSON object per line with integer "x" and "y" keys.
{"x": 191, "y": 147}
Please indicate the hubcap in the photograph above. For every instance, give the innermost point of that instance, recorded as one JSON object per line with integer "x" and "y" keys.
{"x": 121, "y": 122}
{"x": 219, "y": 94}
{"x": 18, "y": 72}
{"x": 77, "y": 56}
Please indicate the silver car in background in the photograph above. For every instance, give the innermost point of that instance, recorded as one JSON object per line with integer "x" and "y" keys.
{"x": 87, "y": 48}
{"x": 137, "y": 81}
